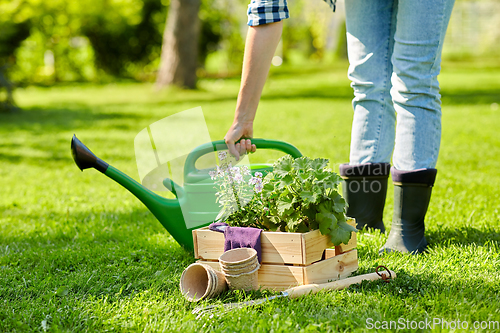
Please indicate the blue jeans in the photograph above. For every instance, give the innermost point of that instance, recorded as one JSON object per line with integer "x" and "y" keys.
{"x": 394, "y": 49}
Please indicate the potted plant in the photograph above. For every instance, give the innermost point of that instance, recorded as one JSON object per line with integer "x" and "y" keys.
{"x": 299, "y": 195}
{"x": 307, "y": 237}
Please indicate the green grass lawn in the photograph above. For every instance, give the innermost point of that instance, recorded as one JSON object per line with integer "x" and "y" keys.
{"x": 80, "y": 253}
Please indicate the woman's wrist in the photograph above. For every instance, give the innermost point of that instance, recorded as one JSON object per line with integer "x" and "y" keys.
{"x": 244, "y": 118}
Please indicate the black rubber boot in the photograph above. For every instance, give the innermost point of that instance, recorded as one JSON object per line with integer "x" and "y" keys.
{"x": 364, "y": 189}
{"x": 412, "y": 193}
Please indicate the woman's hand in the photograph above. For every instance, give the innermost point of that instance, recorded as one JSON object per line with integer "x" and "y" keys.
{"x": 236, "y": 132}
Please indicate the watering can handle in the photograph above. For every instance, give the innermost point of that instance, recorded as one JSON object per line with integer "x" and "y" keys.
{"x": 221, "y": 145}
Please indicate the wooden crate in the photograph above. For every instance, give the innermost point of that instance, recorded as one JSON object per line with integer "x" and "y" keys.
{"x": 281, "y": 277}
{"x": 288, "y": 259}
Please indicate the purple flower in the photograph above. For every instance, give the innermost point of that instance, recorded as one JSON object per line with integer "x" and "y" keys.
{"x": 220, "y": 171}
{"x": 258, "y": 187}
{"x": 235, "y": 171}
{"x": 254, "y": 181}
{"x": 258, "y": 174}
{"x": 245, "y": 171}
{"x": 222, "y": 155}
{"x": 238, "y": 177}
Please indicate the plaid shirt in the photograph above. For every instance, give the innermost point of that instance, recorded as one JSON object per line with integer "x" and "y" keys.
{"x": 269, "y": 11}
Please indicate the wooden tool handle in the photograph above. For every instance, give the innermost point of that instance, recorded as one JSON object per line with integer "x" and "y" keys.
{"x": 336, "y": 285}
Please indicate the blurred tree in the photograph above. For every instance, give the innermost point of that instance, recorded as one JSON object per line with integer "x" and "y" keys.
{"x": 179, "y": 54}
{"x": 7, "y": 103}
{"x": 82, "y": 40}
{"x": 89, "y": 40}
{"x": 222, "y": 34}
{"x": 10, "y": 39}
{"x": 118, "y": 41}
{"x": 210, "y": 31}
{"x": 55, "y": 49}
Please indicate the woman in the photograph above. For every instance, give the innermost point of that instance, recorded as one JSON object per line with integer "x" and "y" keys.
{"x": 394, "y": 49}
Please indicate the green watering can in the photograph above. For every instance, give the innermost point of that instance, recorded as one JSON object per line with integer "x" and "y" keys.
{"x": 196, "y": 199}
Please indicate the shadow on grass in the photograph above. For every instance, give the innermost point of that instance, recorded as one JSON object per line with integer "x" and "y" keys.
{"x": 50, "y": 227}
{"x": 333, "y": 91}
{"x": 476, "y": 97}
{"x": 35, "y": 133}
{"x": 39, "y": 119}
{"x": 104, "y": 244}
{"x": 97, "y": 263}
{"x": 463, "y": 235}
{"x": 413, "y": 296}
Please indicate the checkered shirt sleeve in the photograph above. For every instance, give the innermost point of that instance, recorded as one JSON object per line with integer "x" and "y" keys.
{"x": 331, "y": 3}
{"x": 266, "y": 11}
{"x": 269, "y": 11}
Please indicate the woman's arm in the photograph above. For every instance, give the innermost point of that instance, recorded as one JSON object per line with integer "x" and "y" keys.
{"x": 261, "y": 43}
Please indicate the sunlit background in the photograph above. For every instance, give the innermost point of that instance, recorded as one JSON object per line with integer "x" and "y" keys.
{"x": 46, "y": 42}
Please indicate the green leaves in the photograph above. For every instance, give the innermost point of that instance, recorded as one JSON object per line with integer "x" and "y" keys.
{"x": 305, "y": 194}
{"x": 293, "y": 221}
{"x": 283, "y": 166}
{"x": 287, "y": 180}
{"x": 304, "y": 175}
{"x": 341, "y": 233}
{"x": 338, "y": 203}
{"x": 321, "y": 174}
{"x": 299, "y": 195}
{"x": 284, "y": 204}
{"x": 326, "y": 219}
{"x": 302, "y": 163}
{"x": 319, "y": 164}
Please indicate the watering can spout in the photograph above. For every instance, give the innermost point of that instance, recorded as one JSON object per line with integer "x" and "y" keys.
{"x": 167, "y": 211}
{"x": 85, "y": 158}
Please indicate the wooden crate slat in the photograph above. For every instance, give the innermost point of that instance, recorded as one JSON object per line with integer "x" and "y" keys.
{"x": 280, "y": 277}
{"x": 195, "y": 243}
{"x": 314, "y": 245}
{"x": 275, "y": 277}
{"x": 334, "y": 268}
{"x": 353, "y": 243}
{"x": 330, "y": 253}
{"x": 214, "y": 264}
{"x": 277, "y": 247}
{"x": 281, "y": 247}
{"x": 210, "y": 244}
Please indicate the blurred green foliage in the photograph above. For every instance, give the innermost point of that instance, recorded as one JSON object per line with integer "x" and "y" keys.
{"x": 220, "y": 30}
{"x": 125, "y": 40}
{"x": 96, "y": 40}
{"x": 86, "y": 39}
{"x": 44, "y": 42}
{"x": 47, "y": 41}
{"x": 11, "y": 36}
